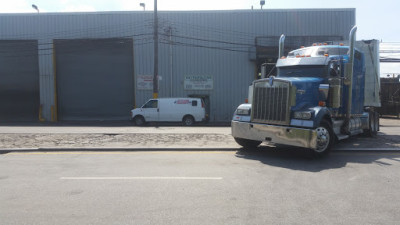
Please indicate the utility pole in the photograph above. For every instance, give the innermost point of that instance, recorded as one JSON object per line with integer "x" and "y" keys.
{"x": 155, "y": 77}
{"x": 170, "y": 57}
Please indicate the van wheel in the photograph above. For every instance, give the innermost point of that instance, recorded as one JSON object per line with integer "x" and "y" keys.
{"x": 139, "y": 120}
{"x": 188, "y": 121}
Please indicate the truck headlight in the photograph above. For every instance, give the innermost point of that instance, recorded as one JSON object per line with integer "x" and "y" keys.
{"x": 244, "y": 112}
{"x": 305, "y": 115}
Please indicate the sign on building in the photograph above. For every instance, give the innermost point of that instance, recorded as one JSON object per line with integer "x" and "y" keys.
{"x": 144, "y": 82}
{"x": 198, "y": 82}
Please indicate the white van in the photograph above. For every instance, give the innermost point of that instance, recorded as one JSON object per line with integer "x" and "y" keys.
{"x": 186, "y": 110}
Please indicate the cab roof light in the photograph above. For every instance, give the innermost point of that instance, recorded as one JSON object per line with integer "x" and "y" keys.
{"x": 341, "y": 44}
{"x": 283, "y": 57}
{"x": 325, "y": 43}
{"x": 322, "y": 103}
{"x": 302, "y": 46}
{"x": 326, "y": 54}
{"x": 315, "y": 44}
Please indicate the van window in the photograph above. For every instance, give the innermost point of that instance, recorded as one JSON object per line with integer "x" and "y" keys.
{"x": 194, "y": 103}
{"x": 151, "y": 104}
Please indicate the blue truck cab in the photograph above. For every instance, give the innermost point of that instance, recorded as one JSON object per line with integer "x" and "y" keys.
{"x": 321, "y": 94}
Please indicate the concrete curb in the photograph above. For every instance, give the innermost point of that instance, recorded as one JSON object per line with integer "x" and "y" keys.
{"x": 105, "y": 149}
{"x": 116, "y": 149}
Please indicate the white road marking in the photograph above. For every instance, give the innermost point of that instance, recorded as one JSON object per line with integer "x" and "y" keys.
{"x": 141, "y": 178}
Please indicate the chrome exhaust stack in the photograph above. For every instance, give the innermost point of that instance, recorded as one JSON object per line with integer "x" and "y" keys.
{"x": 349, "y": 76}
{"x": 281, "y": 46}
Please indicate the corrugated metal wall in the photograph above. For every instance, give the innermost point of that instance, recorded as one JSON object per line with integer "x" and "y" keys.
{"x": 201, "y": 43}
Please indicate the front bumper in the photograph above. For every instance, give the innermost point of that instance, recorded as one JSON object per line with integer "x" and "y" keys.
{"x": 300, "y": 137}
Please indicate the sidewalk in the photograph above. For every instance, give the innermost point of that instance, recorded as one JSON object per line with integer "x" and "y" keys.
{"x": 127, "y": 141}
{"x": 47, "y": 138}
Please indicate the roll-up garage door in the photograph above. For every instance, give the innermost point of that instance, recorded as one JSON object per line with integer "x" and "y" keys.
{"x": 94, "y": 79}
{"x": 19, "y": 81}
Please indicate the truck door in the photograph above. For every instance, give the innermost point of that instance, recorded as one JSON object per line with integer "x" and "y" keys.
{"x": 150, "y": 110}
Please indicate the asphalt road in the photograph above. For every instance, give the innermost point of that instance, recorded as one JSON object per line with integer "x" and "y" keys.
{"x": 264, "y": 186}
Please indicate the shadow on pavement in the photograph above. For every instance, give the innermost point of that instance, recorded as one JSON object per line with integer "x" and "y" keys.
{"x": 382, "y": 140}
{"x": 302, "y": 159}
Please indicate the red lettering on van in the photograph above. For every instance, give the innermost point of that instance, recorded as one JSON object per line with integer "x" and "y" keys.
{"x": 182, "y": 101}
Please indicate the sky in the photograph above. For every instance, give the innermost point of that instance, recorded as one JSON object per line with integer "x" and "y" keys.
{"x": 375, "y": 19}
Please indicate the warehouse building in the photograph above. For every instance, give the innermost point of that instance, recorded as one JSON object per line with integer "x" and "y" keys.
{"x": 98, "y": 66}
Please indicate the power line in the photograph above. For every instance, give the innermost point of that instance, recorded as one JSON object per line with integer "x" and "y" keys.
{"x": 211, "y": 40}
{"x": 80, "y": 31}
{"x": 219, "y": 30}
{"x": 203, "y": 46}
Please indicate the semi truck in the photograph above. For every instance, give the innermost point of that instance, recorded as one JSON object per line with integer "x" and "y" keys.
{"x": 320, "y": 94}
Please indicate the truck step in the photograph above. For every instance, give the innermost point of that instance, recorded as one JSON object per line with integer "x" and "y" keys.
{"x": 342, "y": 136}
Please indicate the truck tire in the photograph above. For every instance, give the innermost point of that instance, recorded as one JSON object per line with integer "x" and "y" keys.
{"x": 373, "y": 124}
{"x": 325, "y": 138}
{"x": 188, "y": 121}
{"x": 245, "y": 143}
{"x": 139, "y": 121}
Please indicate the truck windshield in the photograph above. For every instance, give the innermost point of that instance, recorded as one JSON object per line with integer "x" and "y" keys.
{"x": 303, "y": 71}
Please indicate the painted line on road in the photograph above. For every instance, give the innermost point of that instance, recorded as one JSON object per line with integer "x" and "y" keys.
{"x": 141, "y": 178}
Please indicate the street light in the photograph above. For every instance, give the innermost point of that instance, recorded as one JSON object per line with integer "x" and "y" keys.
{"x": 143, "y": 5}
{"x": 35, "y": 7}
{"x": 262, "y": 3}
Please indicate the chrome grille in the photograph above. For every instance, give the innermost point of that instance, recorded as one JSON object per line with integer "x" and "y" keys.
{"x": 271, "y": 103}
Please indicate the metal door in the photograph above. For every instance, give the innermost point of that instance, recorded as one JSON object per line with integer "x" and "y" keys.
{"x": 94, "y": 79}
{"x": 19, "y": 81}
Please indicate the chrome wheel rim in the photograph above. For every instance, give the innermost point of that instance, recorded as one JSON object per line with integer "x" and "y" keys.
{"x": 323, "y": 139}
